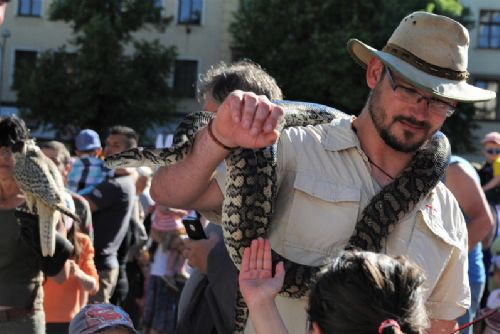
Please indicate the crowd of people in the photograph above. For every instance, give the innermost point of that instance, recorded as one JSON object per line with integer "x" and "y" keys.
{"x": 127, "y": 264}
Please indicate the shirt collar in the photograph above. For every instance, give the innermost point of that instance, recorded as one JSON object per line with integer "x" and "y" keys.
{"x": 340, "y": 135}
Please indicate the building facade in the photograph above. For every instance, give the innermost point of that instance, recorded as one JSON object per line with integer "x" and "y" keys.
{"x": 484, "y": 65}
{"x": 199, "y": 31}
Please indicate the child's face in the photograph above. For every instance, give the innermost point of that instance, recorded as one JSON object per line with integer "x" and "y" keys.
{"x": 491, "y": 151}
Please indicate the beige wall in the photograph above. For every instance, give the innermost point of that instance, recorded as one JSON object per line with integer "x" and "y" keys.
{"x": 481, "y": 61}
{"x": 28, "y": 33}
{"x": 207, "y": 43}
{"x": 484, "y": 63}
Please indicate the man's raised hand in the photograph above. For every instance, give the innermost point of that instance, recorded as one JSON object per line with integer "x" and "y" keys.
{"x": 247, "y": 120}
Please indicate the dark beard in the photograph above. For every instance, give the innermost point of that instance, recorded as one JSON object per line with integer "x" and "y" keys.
{"x": 378, "y": 116}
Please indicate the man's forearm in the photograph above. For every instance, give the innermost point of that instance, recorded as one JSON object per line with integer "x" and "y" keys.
{"x": 183, "y": 183}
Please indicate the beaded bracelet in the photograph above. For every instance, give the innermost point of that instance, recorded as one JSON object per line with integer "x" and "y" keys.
{"x": 217, "y": 141}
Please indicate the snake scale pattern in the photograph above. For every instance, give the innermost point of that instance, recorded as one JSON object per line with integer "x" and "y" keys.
{"x": 251, "y": 190}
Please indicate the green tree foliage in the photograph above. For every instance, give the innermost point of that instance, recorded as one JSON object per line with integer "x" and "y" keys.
{"x": 305, "y": 47}
{"x": 102, "y": 83}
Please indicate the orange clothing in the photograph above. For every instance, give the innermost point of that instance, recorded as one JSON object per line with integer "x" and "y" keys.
{"x": 63, "y": 301}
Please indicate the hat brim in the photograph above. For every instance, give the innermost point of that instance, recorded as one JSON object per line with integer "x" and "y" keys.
{"x": 108, "y": 326}
{"x": 89, "y": 148}
{"x": 450, "y": 89}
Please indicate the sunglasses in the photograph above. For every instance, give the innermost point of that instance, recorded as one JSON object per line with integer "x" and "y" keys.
{"x": 492, "y": 150}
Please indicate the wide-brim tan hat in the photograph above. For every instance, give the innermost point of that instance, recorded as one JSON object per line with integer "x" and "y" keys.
{"x": 430, "y": 52}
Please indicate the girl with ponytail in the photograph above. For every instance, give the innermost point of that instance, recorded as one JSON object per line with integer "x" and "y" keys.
{"x": 358, "y": 293}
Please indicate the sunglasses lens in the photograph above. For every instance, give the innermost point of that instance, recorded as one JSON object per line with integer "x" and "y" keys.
{"x": 493, "y": 151}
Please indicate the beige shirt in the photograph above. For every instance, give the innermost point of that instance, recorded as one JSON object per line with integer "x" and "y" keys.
{"x": 325, "y": 183}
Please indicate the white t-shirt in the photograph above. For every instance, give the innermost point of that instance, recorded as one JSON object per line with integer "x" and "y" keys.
{"x": 159, "y": 265}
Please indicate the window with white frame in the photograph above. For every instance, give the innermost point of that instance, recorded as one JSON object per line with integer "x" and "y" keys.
{"x": 489, "y": 29}
{"x": 487, "y": 110}
{"x": 185, "y": 77}
{"x": 190, "y": 12}
{"x": 30, "y": 8}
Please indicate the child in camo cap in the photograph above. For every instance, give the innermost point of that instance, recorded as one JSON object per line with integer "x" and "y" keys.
{"x": 102, "y": 319}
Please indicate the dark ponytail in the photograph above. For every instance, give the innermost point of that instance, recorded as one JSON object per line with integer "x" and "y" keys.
{"x": 360, "y": 290}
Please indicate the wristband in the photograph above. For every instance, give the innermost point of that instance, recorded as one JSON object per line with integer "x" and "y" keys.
{"x": 217, "y": 141}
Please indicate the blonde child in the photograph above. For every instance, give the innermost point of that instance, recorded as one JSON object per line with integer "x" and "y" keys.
{"x": 168, "y": 231}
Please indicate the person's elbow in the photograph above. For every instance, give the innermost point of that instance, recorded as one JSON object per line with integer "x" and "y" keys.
{"x": 161, "y": 195}
{"x": 155, "y": 193}
{"x": 168, "y": 197}
{"x": 489, "y": 224}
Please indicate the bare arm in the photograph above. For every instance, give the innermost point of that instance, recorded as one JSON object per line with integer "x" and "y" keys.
{"x": 182, "y": 184}
{"x": 243, "y": 120}
{"x": 442, "y": 326}
{"x": 488, "y": 240}
{"x": 473, "y": 202}
{"x": 177, "y": 212}
{"x": 259, "y": 288}
{"x": 87, "y": 282}
{"x": 493, "y": 183}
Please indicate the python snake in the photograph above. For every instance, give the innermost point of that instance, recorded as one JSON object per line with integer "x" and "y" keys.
{"x": 251, "y": 189}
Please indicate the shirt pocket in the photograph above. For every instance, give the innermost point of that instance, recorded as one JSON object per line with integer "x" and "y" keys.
{"x": 321, "y": 218}
{"x": 431, "y": 248}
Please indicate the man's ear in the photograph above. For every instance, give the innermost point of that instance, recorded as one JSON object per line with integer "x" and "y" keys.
{"x": 374, "y": 72}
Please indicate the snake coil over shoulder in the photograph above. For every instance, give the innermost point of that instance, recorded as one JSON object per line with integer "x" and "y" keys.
{"x": 251, "y": 190}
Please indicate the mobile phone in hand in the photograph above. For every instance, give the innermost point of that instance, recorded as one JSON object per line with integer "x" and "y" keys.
{"x": 194, "y": 229}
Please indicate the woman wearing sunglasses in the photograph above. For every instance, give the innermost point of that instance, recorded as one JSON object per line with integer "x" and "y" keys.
{"x": 490, "y": 171}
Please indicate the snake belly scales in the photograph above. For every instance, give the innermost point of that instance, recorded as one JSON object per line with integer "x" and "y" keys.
{"x": 251, "y": 189}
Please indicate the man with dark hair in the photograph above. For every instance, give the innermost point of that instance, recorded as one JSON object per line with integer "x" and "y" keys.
{"x": 120, "y": 138}
{"x": 112, "y": 203}
{"x": 130, "y": 281}
{"x": 206, "y": 302}
{"x": 221, "y": 79}
{"x": 327, "y": 174}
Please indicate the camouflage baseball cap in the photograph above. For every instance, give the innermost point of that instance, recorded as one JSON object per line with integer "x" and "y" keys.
{"x": 95, "y": 318}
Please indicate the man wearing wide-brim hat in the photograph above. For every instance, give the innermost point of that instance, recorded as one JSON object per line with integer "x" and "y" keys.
{"x": 327, "y": 174}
